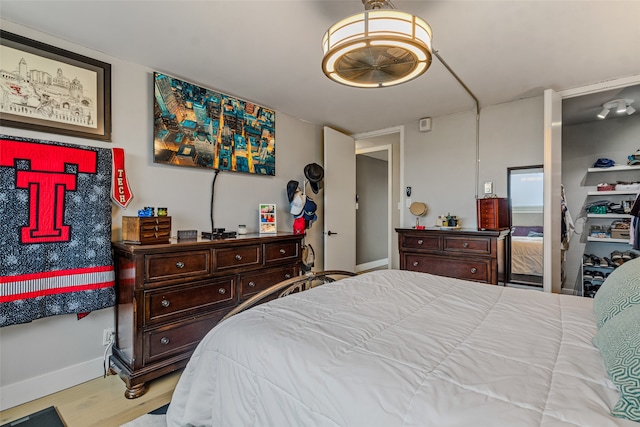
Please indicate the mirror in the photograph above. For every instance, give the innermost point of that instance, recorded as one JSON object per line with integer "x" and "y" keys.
{"x": 418, "y": 209}
{"x": 525, "y": 190}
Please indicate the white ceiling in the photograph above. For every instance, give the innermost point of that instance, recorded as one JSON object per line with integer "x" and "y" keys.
{"x": 269, "y": 52}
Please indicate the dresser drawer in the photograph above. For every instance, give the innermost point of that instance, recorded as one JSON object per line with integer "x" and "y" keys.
{"x": 240, "y": 256}
{"x": 177, "y": 265}
{"x": 467, "y": 269}
{"x": 474, "y": 245}
{"x": 488, "y": 223}
{"x": 412, "y": 241}
{"x": 176, "y": 301}
{"x": 252, "y": 283}
{"x": 177, "y": 339}
{"x": 275, "y": 252}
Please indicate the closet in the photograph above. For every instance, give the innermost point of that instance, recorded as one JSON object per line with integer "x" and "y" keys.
{"x": 593, "y": 201}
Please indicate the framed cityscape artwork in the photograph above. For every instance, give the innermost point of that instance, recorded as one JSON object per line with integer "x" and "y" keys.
{"x": 48, "y": 89}
{"x": 267, "y": 218}
{"x": 200, "y": 127}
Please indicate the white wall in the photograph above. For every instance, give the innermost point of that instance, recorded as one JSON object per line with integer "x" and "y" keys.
{"x": 54, "y": 353}
{"x": 440, "y": 165}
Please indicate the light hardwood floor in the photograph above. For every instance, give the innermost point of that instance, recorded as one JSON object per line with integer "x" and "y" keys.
{"x": 99, "y": 402}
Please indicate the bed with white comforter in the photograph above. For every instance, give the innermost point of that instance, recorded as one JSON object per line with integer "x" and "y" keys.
{"x": 526, "y": 255}
{"x": 399, "y": 348}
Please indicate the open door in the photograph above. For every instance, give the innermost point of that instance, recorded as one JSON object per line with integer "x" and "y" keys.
{"x": 339, "y": 201}
{"x": 552, "y": 275}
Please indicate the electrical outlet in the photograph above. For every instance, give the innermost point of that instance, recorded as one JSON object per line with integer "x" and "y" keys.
{"x": 108, "y": 336}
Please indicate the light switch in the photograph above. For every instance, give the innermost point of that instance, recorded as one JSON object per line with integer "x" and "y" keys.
{"x": 488, "y": 187}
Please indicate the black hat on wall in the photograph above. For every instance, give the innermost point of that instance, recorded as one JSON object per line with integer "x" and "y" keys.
{"x": 292, "y": 186}
{"x": 314, "y": 173}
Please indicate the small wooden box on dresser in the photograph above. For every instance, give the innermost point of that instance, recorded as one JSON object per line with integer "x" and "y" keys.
{"x": 493, "y": 213}
{"x": 467, "y": 254}
{"x": 170, "y": 295}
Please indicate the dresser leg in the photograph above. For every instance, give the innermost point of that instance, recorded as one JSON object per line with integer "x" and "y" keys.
{"x": 135, "y": 391}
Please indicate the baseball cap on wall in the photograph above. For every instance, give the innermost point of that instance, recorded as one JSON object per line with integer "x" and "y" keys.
{"x": 297, "y": 203}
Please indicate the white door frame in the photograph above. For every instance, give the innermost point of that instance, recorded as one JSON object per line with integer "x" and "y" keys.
{"x": 389, "y": 149}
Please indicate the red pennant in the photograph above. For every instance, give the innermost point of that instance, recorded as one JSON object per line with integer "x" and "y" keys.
{"x": 120, "y": 191}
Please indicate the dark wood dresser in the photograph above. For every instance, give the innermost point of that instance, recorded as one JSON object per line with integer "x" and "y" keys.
{"x": 466, "y": 254}
{"x": 170, "y": 295}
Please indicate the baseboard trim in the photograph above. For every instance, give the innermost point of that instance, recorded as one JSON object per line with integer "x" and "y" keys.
{"x": 371, "y": 264}
{"x": 34, "y": 388}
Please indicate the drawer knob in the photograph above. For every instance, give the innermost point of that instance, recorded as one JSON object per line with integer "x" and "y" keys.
{"x": 180, "y": 264}
{"x": 164, "y": 340}
{"x": 165, "y": 303}
{"x": 287, "y": 276}
{"x": 415, "y": 263}
{"x": 420, "y": 241}
{"x": 252, "y": 284}
{"x": 473, "y": 270}
{"x": 238, "y": 257}
{"x": 222, "y": 291}
{"x": 282, "y": 251}
{"x": 465, "y": 245}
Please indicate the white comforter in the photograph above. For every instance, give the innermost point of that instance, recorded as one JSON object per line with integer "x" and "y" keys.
{"x": 398, "y": 348}
{"x": 526, "y": 255}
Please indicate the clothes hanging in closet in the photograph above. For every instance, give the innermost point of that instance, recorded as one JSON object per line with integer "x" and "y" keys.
{"x": 567, "y": 225}
{"x": 634, "y": 229}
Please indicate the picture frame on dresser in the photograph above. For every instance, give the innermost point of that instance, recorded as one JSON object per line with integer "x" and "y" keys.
{"x": 267, "y": 218}
{"x": 53, "y": 90}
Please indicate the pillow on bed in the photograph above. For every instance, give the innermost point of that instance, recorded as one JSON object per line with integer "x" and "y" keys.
{"x": 534, "y": 234}
{"x": 619, "y": 343}
{"x": 619, "y": 291}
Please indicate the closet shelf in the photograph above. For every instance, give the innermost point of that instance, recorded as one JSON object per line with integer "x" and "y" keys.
{"x": 606, "y": 240}
{"x": 614, "y": 169}
{"x": 609, "y": 215}
{"x": 611, "y": 193}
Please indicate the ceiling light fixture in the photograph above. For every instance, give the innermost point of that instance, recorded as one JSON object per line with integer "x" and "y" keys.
{"x": 621, "y": 105}
{"x": 376, "y": 48}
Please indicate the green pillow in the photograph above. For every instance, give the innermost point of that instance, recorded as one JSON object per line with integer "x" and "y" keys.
{"x": 619, "y": 291}
{"x": 619, "y": 343}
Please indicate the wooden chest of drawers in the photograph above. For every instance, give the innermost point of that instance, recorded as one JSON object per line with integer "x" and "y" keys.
{"x": 465, "y": 254}
{"x": 493, "y": 213}
{"x": 146, "y": 230}
{"x": 170, "y": 295}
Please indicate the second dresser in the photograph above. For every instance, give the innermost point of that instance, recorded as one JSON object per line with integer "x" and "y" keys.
{"x": 466, "y": 254}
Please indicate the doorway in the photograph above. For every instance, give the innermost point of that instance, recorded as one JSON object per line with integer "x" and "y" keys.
{"x": 373, "y": 207}
{"x": 391, "y": 141}
{"x": 525, "y": 188}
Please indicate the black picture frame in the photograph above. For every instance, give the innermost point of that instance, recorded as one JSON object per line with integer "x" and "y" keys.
{"x": 61, "y": 92}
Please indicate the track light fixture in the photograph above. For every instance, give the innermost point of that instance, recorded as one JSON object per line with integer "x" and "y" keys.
{"x": 621, "y": 105}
